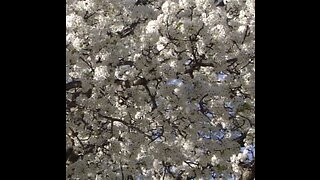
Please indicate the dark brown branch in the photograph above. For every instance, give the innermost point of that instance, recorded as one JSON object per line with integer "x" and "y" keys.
{"x": 200, "y": 29}
{"x": 128, "y": 30}
{"x": 141, "y": 81}
{"x": 195, "y": 66}
{"x": 235, "y": 43}
{"x": 73, "y": 157}
{"x": 249, "y": 62}
{"x": 240, "y": 139}
{"x": 130, "y": 126}
{"x": 123, "y": 63}
{"x": 88, "y": 64}
{"x": 232, "y": 61}
{"x": 75, "y": 134}
{"x": 206, "y": 64}
{"x": 250, "y": 122}
{"x": 111, "y": 129}
{"x": 152, "y": 97}
{"x": 249, "y": 172}
{"x": 204, "y": 110}
{"x": 71, "y": 104}
{"x": 73, "y": 84}
{"x": 190, "y": 162}
{"x": 122, "y": 175}
{"x": 246, "y": 34}
{"x": 142, "y": 2}
{"x": 144, "y": 82}
{"x": 87, "y": 15}
{"x": 219, "y": 3}
{"x": 68, "y": 152}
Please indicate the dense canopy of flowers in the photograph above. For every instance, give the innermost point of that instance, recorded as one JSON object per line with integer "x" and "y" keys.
{"x": 160, "y": 89}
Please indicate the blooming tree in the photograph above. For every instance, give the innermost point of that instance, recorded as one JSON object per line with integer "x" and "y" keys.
{"x": 160, "y": 89}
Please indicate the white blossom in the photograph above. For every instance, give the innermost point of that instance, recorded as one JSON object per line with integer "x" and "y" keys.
{"x": 152, "y": 27}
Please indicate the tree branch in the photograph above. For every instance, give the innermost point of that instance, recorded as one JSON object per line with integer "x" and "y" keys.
{"x": 73, "y": 84}
{"x": 126, "y": 124}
